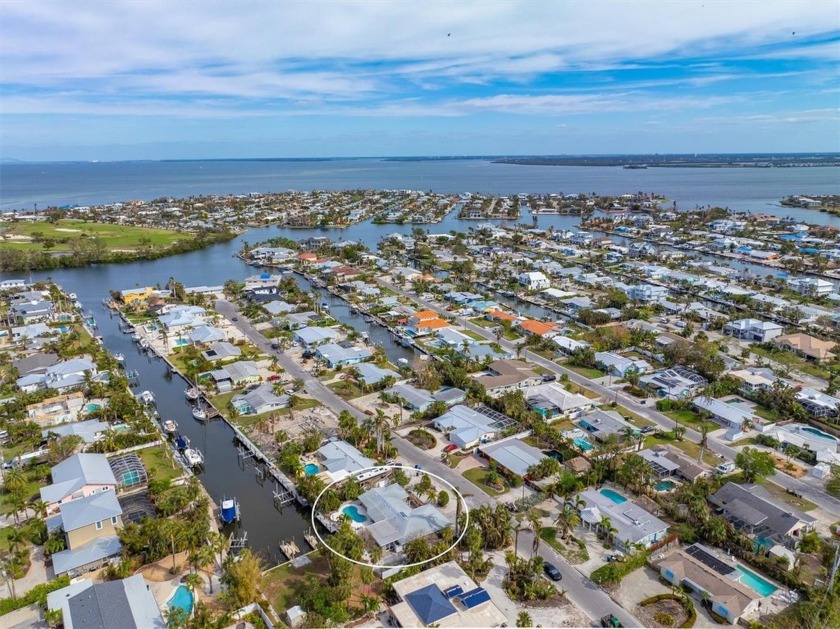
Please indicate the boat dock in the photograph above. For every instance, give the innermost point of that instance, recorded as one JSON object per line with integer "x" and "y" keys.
{"x": 289, "y": 548}
{"x": 311, "y": 538}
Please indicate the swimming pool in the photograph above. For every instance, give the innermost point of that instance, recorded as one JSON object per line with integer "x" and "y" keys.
{"x": 665, "y": 485}
{"x": 182, "y": 599}
{"x": 93, "y": 406}
{"x": 616, "y": 497}
{"x": 180, "y": 342}
{"x": 818, "y": 433}
{"x": 752, "y": 580}
{"x": 311, "y": 469}
{"x": 582, "y": 443}
{"x": 352, "y": 511}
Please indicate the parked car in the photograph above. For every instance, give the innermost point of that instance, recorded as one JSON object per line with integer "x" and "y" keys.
{"x": 552, "y": 571}
{"x": 450, "y": 448}
{"x": 647, "y": 430}
{"x": 273, "y": 378}
{"x": 610, "y": 621}
{"x": 549, "y": 377}
{"x": 234, "y": 318}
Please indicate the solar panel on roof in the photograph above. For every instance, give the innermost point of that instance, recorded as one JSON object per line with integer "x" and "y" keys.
{"x": 712, "y": 562}
{"x": 475, "y": 597}
{"x": 455, "y": 590}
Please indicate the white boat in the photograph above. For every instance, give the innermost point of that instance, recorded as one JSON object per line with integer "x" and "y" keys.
{"x": 193, "y": 457}
{"x": 192, "y": 393}
{"x": 147, "y": 397}
{"x": 199, "y": 413}
{"x": 119, "y": 357}
{"x": 135, "y": 337}
{"x": 169, "y": 426}
{"x": 72, "y": 296}
{"x": 402, "y": 361}
{"x": 144, "y": 344}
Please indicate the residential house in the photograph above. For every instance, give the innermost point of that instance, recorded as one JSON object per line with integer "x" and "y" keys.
{"x": 551, "y": 400}
{"x": 63, "y": 376}
{"x": 311, "y": 337}
{"x": 444, "y": 596}
{"x": 235, "y": 375}
{"x": 817, "y": 403}
{"x": 569, "y": 345}
{"x": 76, "y": 477}
{"x": 395, "y": 522}
{"x": 710, "y": 577}
{"x": 90, "y": 431}
{"x": 645, "y": 292}
{"x": 221, "y": 351}
{"x": 336, "y": 355}
{"x": 181, "y": 317}
{"x": 812, "y": 348}
{"x": 508, "y": 375}
{"x": 667, "y": 461}
{"x": 676, "y": 382}
{"x": 753, "y": 330}
{"x": 204, "y": 335}
{"x": 755, "y": 379}
{"x": 601, "y": 424}
{"x": 754, "y": 514}
{"x": 32, "y": 311}
{"x": 261, "y": 400}
{"x": 632, "y": 524}
{"x": 513, "y": 456}
{"x": 90, "y": 526}
{"x": 537, "y": 328}
{"x": 534, "y": 280}
{"x": 277, "y": 307}
{"x": 727, "y": 414}
{"x": 466, "y": 427}
{"x": 424, "y": 322}
{"x": 136, "y": 295}
{"x": 56, "y": 410}
{"x": 501, "y": 315}
{"x": 812, "y": 286}
{"x": 406, "y": 274}
{"x": 32, "y": 331}
{"x": 619, "y": 365}
{"x": 453, "y": 338}
{"x": 479, "y": 352}
{"x": 125, "y": 604}
{"x": 340, "y": 460}
{"x": 371, "y": 375}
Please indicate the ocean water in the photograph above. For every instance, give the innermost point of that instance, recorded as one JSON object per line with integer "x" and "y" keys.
{"x": 22, "y": 186}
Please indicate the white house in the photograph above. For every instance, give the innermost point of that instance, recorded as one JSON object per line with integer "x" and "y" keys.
{"x": 753, "y": 329}
{"x": 534, "y": 280}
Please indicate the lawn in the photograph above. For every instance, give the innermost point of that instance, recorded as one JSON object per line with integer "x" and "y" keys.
{"x": 63, "y": 232}
{"x": 484, "y": 323}
{"x": 476, "y": 476}
{"x": 634, "y": 418}
{"x": 780, "y": 494}
{"x": 473, "y": 335}
{"x": 346, "y": 389}
{"x": 157, "y": 464}
{"x": 687, "y": 417}
{"x": 572, "y": 552}
{"x": 586, "y": 372}
{"x": 689, "y": 447}
{"x": 283, "y": 585}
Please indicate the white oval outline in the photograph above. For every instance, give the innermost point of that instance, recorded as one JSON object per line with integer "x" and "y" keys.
{"x": 386, "y": 566}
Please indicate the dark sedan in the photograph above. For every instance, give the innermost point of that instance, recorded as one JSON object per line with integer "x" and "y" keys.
{"x": 552, "y": 571}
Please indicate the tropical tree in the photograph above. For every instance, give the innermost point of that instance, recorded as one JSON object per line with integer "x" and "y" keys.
{"x": 524, "y": 620}
{"x": 242, "y": 578}
{"x": 755, "y": 464}
{"x": 567, "y": 520}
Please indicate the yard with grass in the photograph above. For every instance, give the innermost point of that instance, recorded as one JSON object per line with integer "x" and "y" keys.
{"x": 158, "y": 464}
{"x": 689, "y": 447}
{"x": 795, "y": 361}
{"x": 59, "y": 236}
{"x": 689, "y": 418}
{"x": 573, "y": 552}
{"x": 283, "y": 585}
{"x": 476, "y": 476}
{"x": 634, "y": 418}
{"x": 780, "y": 494}
{"x": 473, "y": 335}
{"x": 586, "y": 372}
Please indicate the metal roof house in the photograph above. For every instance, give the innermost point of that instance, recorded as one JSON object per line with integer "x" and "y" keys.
{"x": 342, "y": 459}
{"x": 310, "y": 337}
{"x": 261, "y": 400}
{"x": 552, "y": 400}
{"x": 337, "y": 356}
{"x": 395, "y": 522}
{"x": 513, "y": 455}
{"x": 77, "y": 477}
{"x": 466, "y": 427}
{"x": 372, "y": 375}
{"x": 633, "y": 524}
{"x": 124, "y": 604}
{"x": 601, "y": 424}
{"x": 90, "y": 527}
{"x": 729, "y": 415}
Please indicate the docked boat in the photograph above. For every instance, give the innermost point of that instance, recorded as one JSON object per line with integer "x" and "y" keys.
{"x": 402, "y": 361}
{"x": 325, "y": 306}
{"x": 136, "y": 337}
{"x": 169, "y": 427}
{"x": 144, "y": 345}
{"x": 147, "y": 397}
{"x": 199, "y": 413}
{"x": 193, "y": 457}
{"x": 192, "y": 394}
{"x": 354, "y": 310}
{"x": 229, "y": 510}
{"x": 181, "y": 442}
{"x": 72, "y": 296}
{"x": 368, "y": 319}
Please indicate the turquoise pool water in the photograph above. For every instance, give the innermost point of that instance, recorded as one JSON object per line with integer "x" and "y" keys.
{"x": 818, "y": 433}
{"x": 93, "y": 406}
{"x": 750, "y": 579}
{"x": 665, "y": 485}
{"x": 582, "y": 443}
{"x": 616, "y": 497}
{"x": 182, "y": 342}
{"x": 352, "y": 511}
{"x": 310, "y": 469}
{"x": 182, "y": 599}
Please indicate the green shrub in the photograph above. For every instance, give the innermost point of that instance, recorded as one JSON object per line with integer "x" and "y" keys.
{"x": 35, "y": 596}
{"x": 664, "y": 618}
{"x": 614, "y": 572}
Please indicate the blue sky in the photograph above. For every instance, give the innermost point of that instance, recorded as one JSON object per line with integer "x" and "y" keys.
{"x": 155, "y": 80}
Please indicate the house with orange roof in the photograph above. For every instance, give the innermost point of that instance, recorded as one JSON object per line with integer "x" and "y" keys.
{"x": 308, "y": 258}
{"x": 424, "y": 322}
{"x": 500, "y": 315}
{"x": 538, "y": 328}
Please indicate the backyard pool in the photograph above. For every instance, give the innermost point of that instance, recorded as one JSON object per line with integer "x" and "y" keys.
{"x": 182, "y": 599}
{"x": 752, "y": 580}
{"x": 181, "y": 342}
{"x": 582, "y": 443}
{"x": 352, "y": 512}
{"x": 616, "y": 497}
{"x": 311, "y": 469}
{"x": 665, "y": 485}
{"x": 93, "y": 406}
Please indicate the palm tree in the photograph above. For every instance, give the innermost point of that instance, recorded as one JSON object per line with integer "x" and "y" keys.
{"x": 567, "y": 520}
{"x": 704, "y": 432}
{"x": 194, "y": 582}
{"x": 14, "y": 480}
{"x": 535, "y": 523}
{"x": 607, "y": 528}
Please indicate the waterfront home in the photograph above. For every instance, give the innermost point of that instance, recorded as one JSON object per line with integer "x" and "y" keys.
{"x": 444, "y": 596}
{"x": 466, "y": 427}
{"x": 480, "y": 352}
{"x": 395, "y": 522}
{"x": 126, "y": 603}
{"x": 676, "y": 382}
{"x": 537, "y": 328}
{"x": 424, "y": 322}
{"x": 31, "y": 311}
{"x": 818, "y": 404}
{"x": 728, "y": 414}
{"x": 221, "y": 351}
{"x": 371, "y": 375}
{"x": 762, "y": 517}
{"x": 643, "y": 292}
{"x": 63, "y": 376}
{"x": 810, "y": 347}
{"x": 619, "y": 365}
{"x": 405, "y": 274}
{"x": 278, "y": 307}
{"x": 508, "y": 375}
{"x": 822, "y": 444}
{"x": 261, "y": 400}
{"x": 533, "y": 280}
{"x": 666, "y": 461}
{"x": 632, "y": 524}
{"x": 576, "y": 304}
{"x": 235, "y": 375}
{"x": 90, "y": 430}
{"x": 182, "y": 317}
{"x": 813, "y": 286}
{"x": 501, "y": 315}
{"x": 311, "y": 337}
{"x": 710, "y": 577}
{"x": 513, "y": 456}
{"x": 204, "y": 335}
{"x": 56, "y": 410}
{"x": 296, "y": 320}
{"x": 753, "y": 330}
{"x": 601, "y": 424}
{"x": 32, "y": 331}
{"x": 336, "y": 355}
{"x": 13, "y": 284}
{"x": 90, "y": 527}
{"x": 136, "y": 295}
{"x": 551, "y": 400}
{"x": 340, "y": 460}
{"x": 76, "y": 477}
{"x": 452, "y": 338}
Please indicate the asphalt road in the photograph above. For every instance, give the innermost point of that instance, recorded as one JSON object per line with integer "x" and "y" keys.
{"x": 813, "y": 492}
